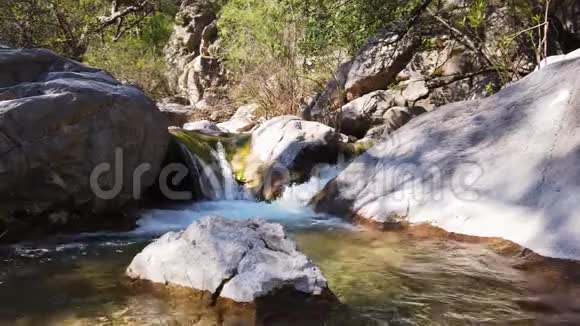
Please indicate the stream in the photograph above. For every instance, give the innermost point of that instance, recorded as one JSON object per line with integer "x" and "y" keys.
{"x": 383, "y": 278}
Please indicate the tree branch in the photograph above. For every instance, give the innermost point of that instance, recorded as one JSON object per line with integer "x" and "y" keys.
{"x": 437, "y": 82}
{"x": 464, "y": 38}
{"x": 119, "y": 14}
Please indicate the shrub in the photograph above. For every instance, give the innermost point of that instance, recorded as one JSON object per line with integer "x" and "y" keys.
{"x": 138, "y": 57}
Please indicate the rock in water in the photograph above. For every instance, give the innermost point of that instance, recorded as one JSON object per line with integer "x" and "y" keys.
{"x": 284, "y": 150}
{"x": 506, "y": 166}
{"x": 59, "y": 120}
{"x": 239, "y": 260}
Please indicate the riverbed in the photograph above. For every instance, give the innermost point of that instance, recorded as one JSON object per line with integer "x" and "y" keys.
{"x": 382, "y": 277}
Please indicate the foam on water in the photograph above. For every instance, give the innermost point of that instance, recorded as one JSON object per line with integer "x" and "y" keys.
{"x": 300, "y": 195}
{"x": 290, "y": 210}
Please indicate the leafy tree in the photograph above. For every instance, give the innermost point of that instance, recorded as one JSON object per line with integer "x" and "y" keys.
{"x": 69, "y": 26}
{"x": 138, "y": 58}
{"x": 282, "y": 51}
{"x": 349, "y": 24}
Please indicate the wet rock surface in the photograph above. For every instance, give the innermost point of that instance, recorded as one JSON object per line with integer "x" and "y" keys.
{"x": 238, "y": 260}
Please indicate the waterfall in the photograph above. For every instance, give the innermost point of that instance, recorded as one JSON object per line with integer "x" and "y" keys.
{"x": 297, "y": 196}
{"x": 214, "y": 181}
{"x": 231, "y": 190}
{"x": 231, "y": 200}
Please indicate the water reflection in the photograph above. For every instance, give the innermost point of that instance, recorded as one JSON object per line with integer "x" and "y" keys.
{"x": 380, "y": 277}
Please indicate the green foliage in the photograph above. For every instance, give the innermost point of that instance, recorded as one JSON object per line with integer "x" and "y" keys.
{"x": 70, "y": 26}
{"x": 138, "y": 57}
{"x": 60, "y": 25}
{"x": 490, "y": 88}
{"x": 281, "y": 51}
{"x": 349, "y": 24}
{"x": 475, "y": 16}
{"x": 255, "y": 31}
{"x": 261, "y": 39}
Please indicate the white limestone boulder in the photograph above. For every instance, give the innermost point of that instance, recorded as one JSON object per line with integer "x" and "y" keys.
{"x": 242, "y": 121}
{"x": 505, "y": 166}
{"x": 238, "y": 260}
{"x": 205, "y": 127}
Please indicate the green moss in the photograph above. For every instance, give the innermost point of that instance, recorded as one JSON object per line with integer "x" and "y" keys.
{"x": 239, "y": 156}
{"x": 236, "y": 146}
{"x": 195, "y": 143}
{"x": 352, "y": 150}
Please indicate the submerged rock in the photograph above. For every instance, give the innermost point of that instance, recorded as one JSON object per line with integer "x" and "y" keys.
{"x": 59, "y": 121}
{"x": 239, "y": 260}
{"x": 503, "y": 167}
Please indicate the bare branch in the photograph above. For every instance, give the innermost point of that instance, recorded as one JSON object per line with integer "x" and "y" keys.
{"x": 464, "y": 38}
{"x": 119, "y": 14}
{"x": 121, "y": 32}
{"x": 437, "y": 82}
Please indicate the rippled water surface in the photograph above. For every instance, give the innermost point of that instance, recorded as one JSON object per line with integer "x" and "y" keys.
{"x": 381, "y": 277}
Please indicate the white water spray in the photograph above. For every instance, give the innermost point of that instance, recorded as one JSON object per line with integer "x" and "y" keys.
{"x": 231, "y": 190}
{"x": 298, "y": 196}
{"x": 232, "y": 200}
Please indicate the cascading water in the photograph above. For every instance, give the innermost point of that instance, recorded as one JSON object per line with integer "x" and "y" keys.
{"x": 204, "y": 178}
{"x": 214, "y": 181}
{"x": 379, "y": 278}
{"x": 233, "y": 201}
{"x": 231, "y": 190}
{"x": 299, "y": 195}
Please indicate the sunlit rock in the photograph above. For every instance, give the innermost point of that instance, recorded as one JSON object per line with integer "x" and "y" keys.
{"x": 503, "y": 167}
{"x": 62, "y": 122}
{"x": 239, "y": 260}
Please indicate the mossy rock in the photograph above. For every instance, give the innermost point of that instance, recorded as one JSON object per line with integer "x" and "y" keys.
{"x": 248, "y": 169}
{"x": 351, "y": 151}
{"x": 237, "y": 148}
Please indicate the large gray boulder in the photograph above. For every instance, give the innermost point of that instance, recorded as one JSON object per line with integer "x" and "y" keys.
{"x": 238, "y": 260}
{"x": 358, "y": 116}
{"x": 393, "y": 119}
{"x": 284, "y": 150}
{"x": 379, "y": 62}
{"x": 506, "y": 166}
{"x": 59, "y": 121}
{"x": 557, "y": 58}
{"x": 375, "y": 110}
{"x": 426, "y": 62}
